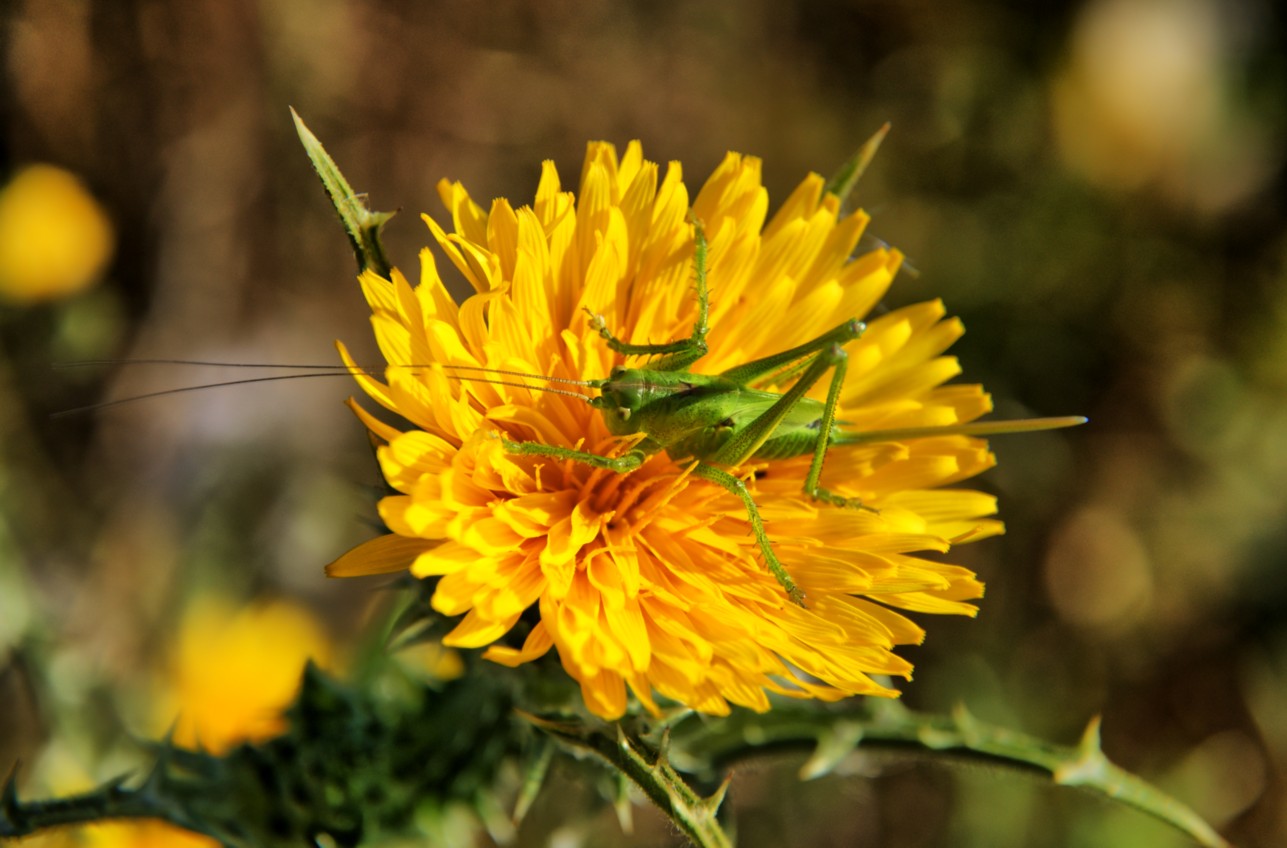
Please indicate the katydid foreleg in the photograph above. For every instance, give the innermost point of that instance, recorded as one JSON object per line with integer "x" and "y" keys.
{"x": 623, "y": 464}
{"x": 676, "y": 355}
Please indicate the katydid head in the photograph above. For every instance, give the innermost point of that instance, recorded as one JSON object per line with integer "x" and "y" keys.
{"x": 620, "y": 396}
{"x": 649, "y": 400}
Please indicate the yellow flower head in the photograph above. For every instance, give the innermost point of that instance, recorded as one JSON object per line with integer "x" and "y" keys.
{"x": 234, "y": 671}
{"x": 54, "y": 237}
{"x": 652, "y": 579}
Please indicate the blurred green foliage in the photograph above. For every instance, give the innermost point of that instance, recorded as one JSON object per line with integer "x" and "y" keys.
{"x": 1095, "y": 187}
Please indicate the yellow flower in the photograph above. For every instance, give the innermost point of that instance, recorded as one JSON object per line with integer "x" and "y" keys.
{"x": 132, "y": 834}
{"x": 652, "y": 580}
{"x": 234, "y": 671}
{"x": 54, "y": 237}
{"x": 141, "y": 834}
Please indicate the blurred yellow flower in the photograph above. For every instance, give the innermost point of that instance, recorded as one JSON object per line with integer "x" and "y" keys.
{"x": 143, "y": 834}
{"x": 652, "y": 580}
{"x": 432, "y": 661}
{"x": 54, "y": 237}
{"x": 1150, "y": 96}
{"x": 234, "y": 669}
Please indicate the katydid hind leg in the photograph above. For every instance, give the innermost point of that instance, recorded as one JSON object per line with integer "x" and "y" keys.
{"x": 757, "y": 369}
{"x": 743, "y": 445}
{"x": 746, "y": 442}
{"x": 737, "y": 487}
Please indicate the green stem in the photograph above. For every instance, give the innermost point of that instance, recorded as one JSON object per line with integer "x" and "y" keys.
{"x": 652, "y": 772}
{"x": 833, "y": 735}
{"x": 111, "y": 801}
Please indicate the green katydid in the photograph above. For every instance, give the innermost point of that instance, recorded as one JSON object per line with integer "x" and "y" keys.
{"x": 720, "y": 422}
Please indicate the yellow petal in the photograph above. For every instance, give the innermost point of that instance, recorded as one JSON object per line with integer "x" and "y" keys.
{"x": 475, "y": 631}
{"x": 381, "y": 555}
{"x": 537, "y": 645}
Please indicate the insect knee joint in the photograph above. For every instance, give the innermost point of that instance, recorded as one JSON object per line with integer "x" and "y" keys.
{"x": 597, "y": 322}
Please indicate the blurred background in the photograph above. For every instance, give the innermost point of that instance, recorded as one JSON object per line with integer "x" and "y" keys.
{"x": 1096, "y": 188}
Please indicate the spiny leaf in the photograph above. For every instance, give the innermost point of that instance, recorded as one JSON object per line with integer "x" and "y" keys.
{"x": 715, "y": 800}
{"x": 353, "y": 763}
{"x": 537, "y": 770}
{"x": 362, "y": 225}
{"x": 1089, "y": 765}
{"x": 109, "y": 801}
{"x": 848, "y": 174}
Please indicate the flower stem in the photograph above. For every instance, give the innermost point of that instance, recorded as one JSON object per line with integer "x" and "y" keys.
{"x": 651, "y": 770}
{"x": 834, "y": 734}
